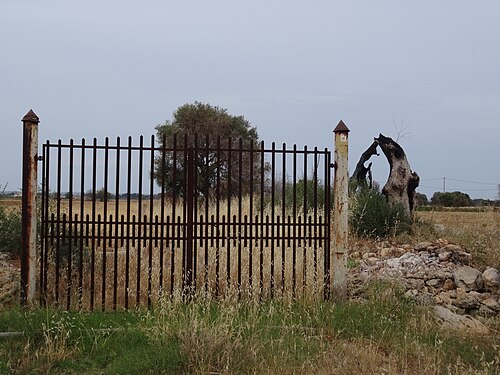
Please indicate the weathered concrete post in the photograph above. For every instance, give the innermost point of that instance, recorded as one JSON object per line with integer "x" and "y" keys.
{"x": 28, "y": 234}
{"x": 340, "y": 211}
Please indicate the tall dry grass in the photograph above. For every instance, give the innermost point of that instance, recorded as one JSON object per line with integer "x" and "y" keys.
{"x": 478, "y": 231}
{"x": 150, "y": 269}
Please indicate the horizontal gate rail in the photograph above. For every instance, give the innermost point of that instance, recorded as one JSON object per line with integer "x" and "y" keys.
{"x": 126, "y": 223}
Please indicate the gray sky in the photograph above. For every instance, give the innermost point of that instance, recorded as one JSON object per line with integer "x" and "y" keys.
{"x": 292, "y": 68}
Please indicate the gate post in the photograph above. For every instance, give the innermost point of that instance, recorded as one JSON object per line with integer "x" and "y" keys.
{"x": 340, "y": 211}
{"x": 29, "y": 186}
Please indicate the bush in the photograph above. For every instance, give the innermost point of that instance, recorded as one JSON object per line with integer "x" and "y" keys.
{"x": 372, "y": 216}
{"x": 10, "y": 230}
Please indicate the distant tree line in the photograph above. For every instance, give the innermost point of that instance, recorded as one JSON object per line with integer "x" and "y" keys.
{"x": 453, "y": 199}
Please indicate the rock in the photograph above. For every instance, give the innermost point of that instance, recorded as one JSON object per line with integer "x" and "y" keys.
{"x": 491, "y": 304}
{"x": 355, "y": 255}
{"x": 491, "y": 278}
{"x": 467, "y": 300}
{"x": 445, "y": 256}
{"x": 422, "y": 246}
{"x": 386, "y": 252}
{"x": 468, "y": 278}
{"x": 445, "y": 297}
{"x": 372, "y": 261}
{"x": 433, "y": 283}
{"x": 456, "y": 322}
{"x": 453, "y": 248}
{"x": 448, "y": 284}
{"x": 425, "y": 299}
{"x": 486, "y": 312}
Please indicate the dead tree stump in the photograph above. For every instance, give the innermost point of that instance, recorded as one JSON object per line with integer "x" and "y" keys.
{"x": 402, "y": 182}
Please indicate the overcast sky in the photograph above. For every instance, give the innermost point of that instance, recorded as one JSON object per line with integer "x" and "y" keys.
{"x": 426, "y": 70}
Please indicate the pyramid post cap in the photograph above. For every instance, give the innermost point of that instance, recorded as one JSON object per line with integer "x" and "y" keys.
{"x": 31, "y": 117}
{"x": 341, "y": 128}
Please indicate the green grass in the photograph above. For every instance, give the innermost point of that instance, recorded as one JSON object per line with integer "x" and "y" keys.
{"x": 281, "y": 336}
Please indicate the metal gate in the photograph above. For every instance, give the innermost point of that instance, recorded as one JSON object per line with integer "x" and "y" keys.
{"x": 126, "y": 224}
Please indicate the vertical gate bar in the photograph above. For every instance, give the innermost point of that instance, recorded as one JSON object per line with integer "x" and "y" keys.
{"x": 184, "y": 213}
{"x": 117, "y": 215}
{"x": 43, "y": 232}
{"x": 45, "y": 209}
{"x": 294, "y": 214}
{"x": 128, "y": 221}
{"x": 340, "y": 219}
{"x": 105, "y": 222}
{"x": 194, "y": 203}
{"x": 174, "y": 202}
{"x": 87, "y": 237}
{"x": 82, "y": 216}
{"x": 228, "y": 250}
{"x": 139, "y": 221}
{"x": 304, "y": 249}
{"x": 217, "y": 215}
{"x": 240, "y": 193}
{"x": 93, "y": 248}
{"x": 315, "y": 220}
{"x": 162, "y": 209}
{"x": 250, "y": 244}
{"x": 190, "y": 186}
{"x": 48, "y": 230}
{"x": 327, "y": 216}
{"x": 212, "y": 235}
{"x": 283, "y": 216}
{"x": 261, "y": 250}
{"x": 225, "y": 239}
{"x": 245, "y": 242}
{"x": 99, "y": 225}
{"x": 172, "y": 259}
{"x": 70, "y": 215}
{"x": 151, "y": 202}
{"x": 58, "y": 216}
{"x": 64, "y": 222}
{"x": 133, "y": 241}
{"x": 273, "y": 196}
{"x": 207, "y": 200}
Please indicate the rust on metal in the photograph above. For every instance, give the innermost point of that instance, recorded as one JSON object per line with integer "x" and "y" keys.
{"x": 231, "y": 215}
{"x": 31, "y": 117}
{"x": 341, "y": 128}
{"x": 29, "y": 191}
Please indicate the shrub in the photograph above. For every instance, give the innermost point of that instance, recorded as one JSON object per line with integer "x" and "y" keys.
{"x": 372, "y": 216}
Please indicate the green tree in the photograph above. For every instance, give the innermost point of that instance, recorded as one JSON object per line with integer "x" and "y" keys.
{"x": 191, "y": 123}
{"x": 451, "y": 199}
{"x": 421, "y": 199}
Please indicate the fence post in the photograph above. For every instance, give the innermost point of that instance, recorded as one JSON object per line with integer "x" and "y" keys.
{"x": 29, "y": 186}
{"x": 340, "y": 211}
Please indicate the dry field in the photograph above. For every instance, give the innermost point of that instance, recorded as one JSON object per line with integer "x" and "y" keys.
{"x": 478, "y": 231}
{"x": 225, "y": 261}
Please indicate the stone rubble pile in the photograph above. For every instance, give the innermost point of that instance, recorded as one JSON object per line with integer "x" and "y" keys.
{"x": 9, "y": 281}
{"x": 433, "y": 273}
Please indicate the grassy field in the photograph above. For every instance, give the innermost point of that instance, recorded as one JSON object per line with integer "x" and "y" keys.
{"x": 386, "y": 334}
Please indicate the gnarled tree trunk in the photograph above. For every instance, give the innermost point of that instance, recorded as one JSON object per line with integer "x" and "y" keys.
{"x": 402, "y": 182}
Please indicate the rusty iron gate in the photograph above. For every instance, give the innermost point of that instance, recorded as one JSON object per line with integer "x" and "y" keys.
{"x": 125, "y": 224}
